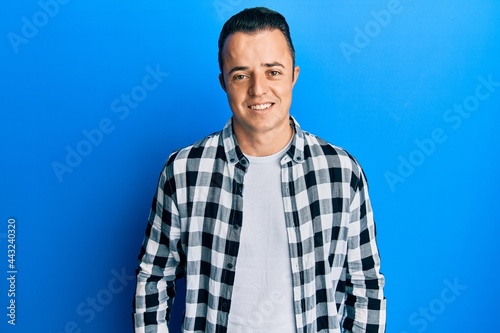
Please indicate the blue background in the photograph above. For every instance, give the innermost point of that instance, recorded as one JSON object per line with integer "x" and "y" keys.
{"x": 377, "y": 85}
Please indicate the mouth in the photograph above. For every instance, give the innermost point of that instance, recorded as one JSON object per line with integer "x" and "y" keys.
{"x": 260, "y": 107}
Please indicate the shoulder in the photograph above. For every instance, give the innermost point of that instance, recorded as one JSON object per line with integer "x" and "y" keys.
{"x": 322, "y": 155}
{"x": 316, "y": 147}
{"x": 205, "y": 148}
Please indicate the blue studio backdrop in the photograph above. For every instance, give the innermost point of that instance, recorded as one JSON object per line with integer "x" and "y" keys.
{"x": 96, "y": 94}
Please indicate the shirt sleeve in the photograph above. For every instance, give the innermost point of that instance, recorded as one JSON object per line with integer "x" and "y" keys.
{"x": 159, "y": 261}
{"x": 365, "y": 304}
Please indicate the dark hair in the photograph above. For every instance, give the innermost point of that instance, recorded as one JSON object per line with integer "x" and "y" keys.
{"x": 252, "y": 20}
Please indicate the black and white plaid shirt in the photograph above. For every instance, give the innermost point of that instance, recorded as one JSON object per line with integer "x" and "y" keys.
{"x": 194, "y": 230}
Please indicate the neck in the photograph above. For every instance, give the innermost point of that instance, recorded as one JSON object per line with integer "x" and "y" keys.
{"x": 263, "y": 144}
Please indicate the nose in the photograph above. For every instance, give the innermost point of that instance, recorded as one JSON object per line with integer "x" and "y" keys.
{"x": 258, "y": 86}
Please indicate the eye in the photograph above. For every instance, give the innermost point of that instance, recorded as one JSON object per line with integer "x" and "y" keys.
{"x": 239, "y": 77}
{"x": 274, "y": 73}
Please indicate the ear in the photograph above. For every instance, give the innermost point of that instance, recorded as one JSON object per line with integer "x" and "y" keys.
{"x": 222, "y": 83}
{"x": 296, "y": 72}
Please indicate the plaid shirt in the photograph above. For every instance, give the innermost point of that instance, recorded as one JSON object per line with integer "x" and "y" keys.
{"x": 194, "y": 230}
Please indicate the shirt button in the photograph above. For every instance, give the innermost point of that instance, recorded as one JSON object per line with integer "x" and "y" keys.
{"x": 229, "y": 265}
{"x": 224, "y": 305}
{"x": 235, "y": 226}
{"x": 244, "y": 162}
{"x": 232, "y": 160}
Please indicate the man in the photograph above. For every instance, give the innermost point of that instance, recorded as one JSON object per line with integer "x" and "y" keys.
{"x": 271, "y": 226}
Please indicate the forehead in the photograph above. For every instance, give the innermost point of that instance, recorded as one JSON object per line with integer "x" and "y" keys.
{"x": 263, "y": 46}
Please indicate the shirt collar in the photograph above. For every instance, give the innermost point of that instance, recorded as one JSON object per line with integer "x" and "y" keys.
{"x": 234, "y": 153}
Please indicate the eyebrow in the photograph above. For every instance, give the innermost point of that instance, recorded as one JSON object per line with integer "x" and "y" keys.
{"x": 238, "y": 68}
{"x": 244, "y": 68}
{"x": 273, "y": 64}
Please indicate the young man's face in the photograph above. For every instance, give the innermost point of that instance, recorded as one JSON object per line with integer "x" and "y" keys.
{"x": 258, "y": 77}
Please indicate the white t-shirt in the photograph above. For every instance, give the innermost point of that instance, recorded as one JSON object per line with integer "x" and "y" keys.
{"x": 262, "y": 299}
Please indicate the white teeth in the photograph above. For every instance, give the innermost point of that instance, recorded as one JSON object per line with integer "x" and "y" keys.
{"x": 260, "y": 106}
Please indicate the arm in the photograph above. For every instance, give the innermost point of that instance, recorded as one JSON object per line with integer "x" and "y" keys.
{"x": 365, "y": 305}
{"x": 159, "y": 262}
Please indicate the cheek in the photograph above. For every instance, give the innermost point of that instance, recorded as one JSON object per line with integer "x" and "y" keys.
{"x": 284, "y": 92}
{"x": 235, "y": 94}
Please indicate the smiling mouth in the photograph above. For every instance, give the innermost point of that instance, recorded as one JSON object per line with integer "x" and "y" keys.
{"x": 260, "y": 106}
